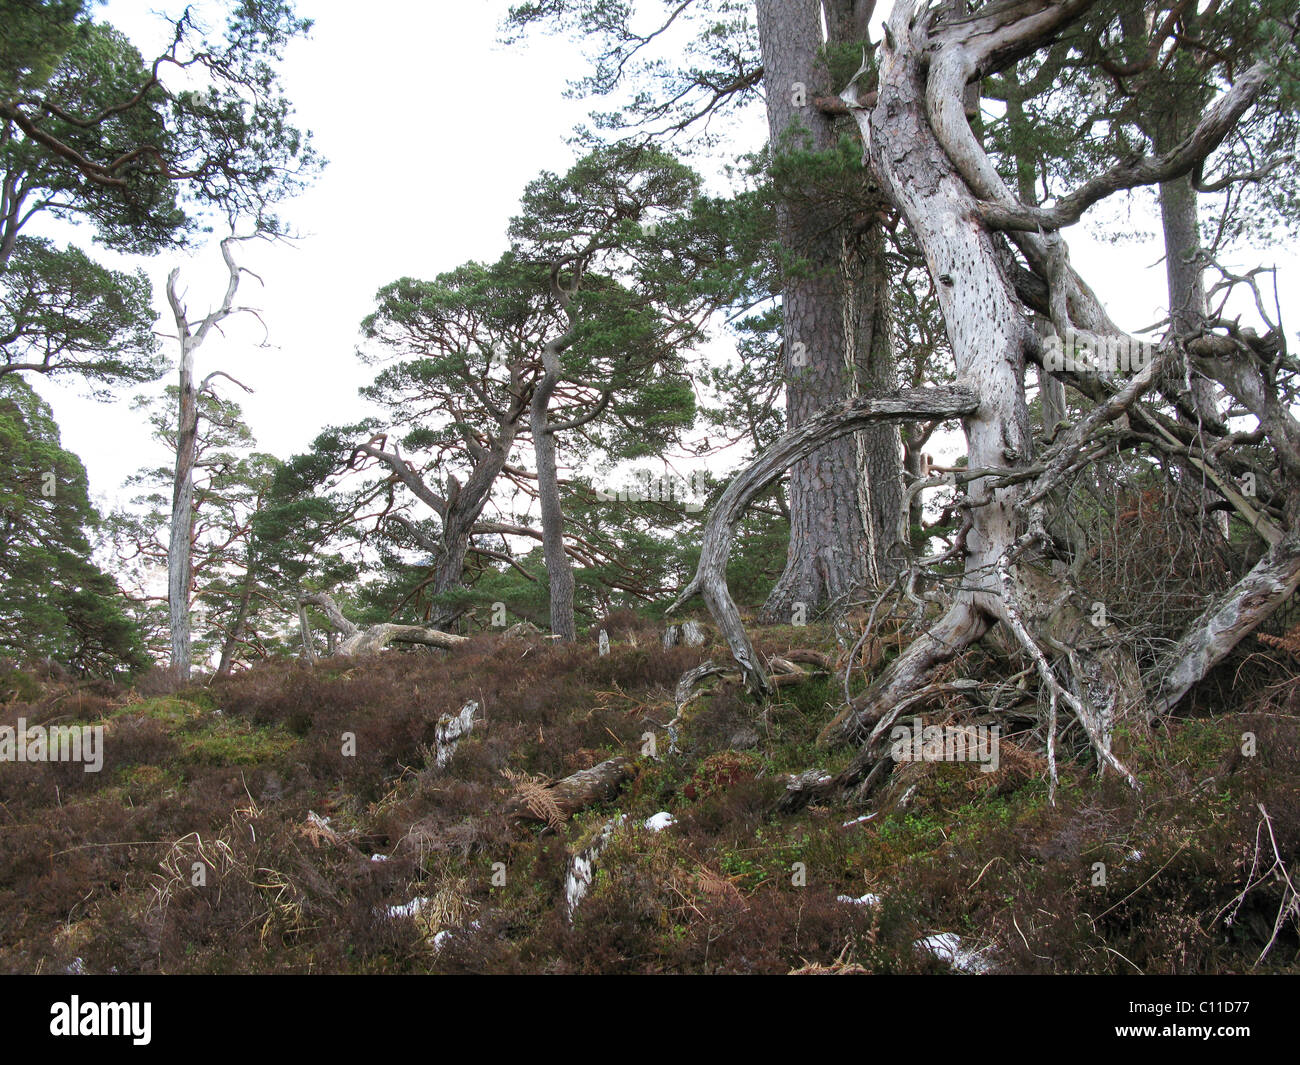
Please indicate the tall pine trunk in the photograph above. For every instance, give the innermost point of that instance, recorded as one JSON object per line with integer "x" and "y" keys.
{"x": 1184, "y": 272}
{"x": 559, "y": 571}
{"x": 464, "y": 506}
{"x": 228, "y": 648}
{"x": 833, "y": 335}
{"x": 880, "y": 446}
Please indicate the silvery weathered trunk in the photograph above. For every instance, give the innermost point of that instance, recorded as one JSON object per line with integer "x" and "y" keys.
{"x": 179, "y": 546}
{"x": 182, "y": 520}
{"x": 917, "y": 135}
{"x": 928, "y": 158}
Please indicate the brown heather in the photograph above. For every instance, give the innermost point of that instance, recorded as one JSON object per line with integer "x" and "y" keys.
{"x": 100, "y": 867}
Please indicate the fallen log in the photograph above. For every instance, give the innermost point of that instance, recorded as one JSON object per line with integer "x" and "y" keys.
{"x": 554, "y": 803}
{"x": 786, "y": 673}
{"x": 691, "y": 684}
{"x": 1227, "y": 620}
{"x": 812, "y": 658}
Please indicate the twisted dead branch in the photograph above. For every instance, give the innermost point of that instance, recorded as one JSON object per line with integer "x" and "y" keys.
{"x": 374, "y": 638}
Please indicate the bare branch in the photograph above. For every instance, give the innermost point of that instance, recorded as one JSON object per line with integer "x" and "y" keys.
{"x": 830, "y": 424}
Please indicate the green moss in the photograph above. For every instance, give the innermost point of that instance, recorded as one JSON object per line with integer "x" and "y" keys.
{"x": 172, "y": 711}
{"x": 224, "y": 741}
{"x": 145, "y": 783}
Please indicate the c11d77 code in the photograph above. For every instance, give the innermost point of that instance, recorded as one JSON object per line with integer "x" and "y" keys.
{"x": 1159, "y": 1009}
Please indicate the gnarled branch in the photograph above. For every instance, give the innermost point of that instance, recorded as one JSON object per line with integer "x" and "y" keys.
{"x": 952, "y": 401}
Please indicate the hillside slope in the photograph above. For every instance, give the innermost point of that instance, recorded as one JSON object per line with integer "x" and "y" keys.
{"x": 297, "y": 819}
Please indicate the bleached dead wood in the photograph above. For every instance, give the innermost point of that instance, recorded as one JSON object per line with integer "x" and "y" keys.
{"x": 449, "y": 731}
{"x": 691, "y": 683}
{"x": 582, "y": 865}
{"x": 1228, "y": 620}
{"x": 374, "y": 638}
{"x": 191, "y": 335}
{"x": 688, "y": 633}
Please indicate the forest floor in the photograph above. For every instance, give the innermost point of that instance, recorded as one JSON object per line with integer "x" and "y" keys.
{"x": 295, "y": 819}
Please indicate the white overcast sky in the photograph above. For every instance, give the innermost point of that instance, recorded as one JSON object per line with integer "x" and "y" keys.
{"x": 431, "y": 129}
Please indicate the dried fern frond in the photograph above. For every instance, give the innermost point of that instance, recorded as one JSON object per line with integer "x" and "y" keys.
{"x": 716, "y": 886}
{"x": 317, "y": 830}
{"x": 1014, "y": 763}
{"x": 1288, "y": 641}
{"x": 533, "y": 792}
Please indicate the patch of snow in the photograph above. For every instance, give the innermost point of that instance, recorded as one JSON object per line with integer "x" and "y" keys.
{"x": 409, "y": 909}
{"x": 440, "y": 938}
{"x": 858, "y": 820}
{"x": 660, "y": 821}
{"x": 865, "y": 900}
{"x": 947, "y": 946}
{"x": 379, "y": 857}
{"x": 76, "y": 967}
{"x": 313, "y": 818}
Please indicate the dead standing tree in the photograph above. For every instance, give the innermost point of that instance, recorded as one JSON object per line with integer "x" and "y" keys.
{"x": 995, "y": 261}
{"x": 191, "y": 336}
